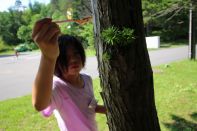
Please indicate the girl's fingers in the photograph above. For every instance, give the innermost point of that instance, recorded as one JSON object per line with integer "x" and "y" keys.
{"x": 53, "y": 29}
{"x": 41, "y": 34}
{"x": 54, "y": 38}
{"x": 38, "y": 25}
{"x": 46, "y": 33}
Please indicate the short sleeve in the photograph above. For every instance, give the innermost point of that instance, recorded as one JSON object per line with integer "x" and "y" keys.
{"x": 93, "y": 103}
{"x": 55, "y": 103}
{"x": 90, "y": 84}
{"x": 49, "y": 110}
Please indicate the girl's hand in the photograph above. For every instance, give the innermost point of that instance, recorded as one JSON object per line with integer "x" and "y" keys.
{"x": 45, "y": 33}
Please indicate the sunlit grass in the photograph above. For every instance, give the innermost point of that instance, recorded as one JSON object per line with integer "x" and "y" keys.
{"x": 175, "y": 94}
{"x": 18, "y": 114}
{"x": 173, "y": 44}
{"x": 90, "y": 52}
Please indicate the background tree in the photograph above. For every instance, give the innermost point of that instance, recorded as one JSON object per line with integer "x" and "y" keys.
{"x": 10, "y": 22}
{"x": 192, "y": 30}
{"x": 30, "y": 16}
{"x": 124, "y": 65}
{"x": 16, "y": 25}
{"x": 167, "y": 18}
{"x": 150, "y": 7}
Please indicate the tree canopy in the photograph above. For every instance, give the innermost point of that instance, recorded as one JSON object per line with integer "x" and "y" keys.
{"x": 166, "y": 18}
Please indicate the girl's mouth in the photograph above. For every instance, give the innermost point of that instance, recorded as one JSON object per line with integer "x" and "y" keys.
{"x": 74, "y": 65}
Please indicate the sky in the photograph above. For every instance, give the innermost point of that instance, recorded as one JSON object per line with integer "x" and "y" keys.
{"x": 5, "y": 4}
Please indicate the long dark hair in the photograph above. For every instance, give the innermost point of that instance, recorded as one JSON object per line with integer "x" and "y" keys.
{"x": 65, "y": 41}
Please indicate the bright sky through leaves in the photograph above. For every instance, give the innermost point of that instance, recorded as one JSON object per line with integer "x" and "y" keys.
{"x": 5, "y": 4}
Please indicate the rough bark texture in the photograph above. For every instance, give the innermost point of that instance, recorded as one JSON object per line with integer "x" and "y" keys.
{"x": 126, "y": 78}
{"x": 193, "y": 28}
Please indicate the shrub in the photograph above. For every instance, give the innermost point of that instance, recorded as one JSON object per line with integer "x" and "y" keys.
{"x": 3, "y": 46}
{"x": 22, "y": 48}
{"x": 32, "y": 46}
{"x": 88, "y": 35}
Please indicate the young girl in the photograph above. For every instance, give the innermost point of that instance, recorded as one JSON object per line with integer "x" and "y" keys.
{"x": 59, "y": 88}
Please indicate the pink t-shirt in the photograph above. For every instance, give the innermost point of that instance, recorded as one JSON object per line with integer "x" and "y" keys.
{"x": 74, "y": 108}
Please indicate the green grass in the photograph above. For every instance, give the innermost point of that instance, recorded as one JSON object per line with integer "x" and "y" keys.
{"x": 90, "y": 52}
{"x": 6, "y": 50}
{"x": 175, "y": 94}
{"x": 18, "y": 114}
{"x": 173, "y": 44}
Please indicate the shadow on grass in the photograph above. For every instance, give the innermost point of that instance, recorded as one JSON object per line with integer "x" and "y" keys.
{"x": 181, "y": 124}
{"x": 194, "y": 116}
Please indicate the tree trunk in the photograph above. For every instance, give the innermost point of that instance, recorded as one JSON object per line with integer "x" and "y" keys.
{"x": 192, "y": 31}
{"x": 126, "y": 78}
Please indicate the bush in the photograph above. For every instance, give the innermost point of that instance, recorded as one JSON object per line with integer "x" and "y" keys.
{"x": 87, "y": 35}
{"x": 32, "y": 46}
{"x": 22, "y": 48}
{"x": 3, "y": 46}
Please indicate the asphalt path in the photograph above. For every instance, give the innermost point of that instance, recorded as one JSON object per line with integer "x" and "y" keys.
{"x": 17, "y": 75}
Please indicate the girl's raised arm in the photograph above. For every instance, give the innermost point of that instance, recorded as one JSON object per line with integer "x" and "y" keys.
{"x": 45, "y": 34}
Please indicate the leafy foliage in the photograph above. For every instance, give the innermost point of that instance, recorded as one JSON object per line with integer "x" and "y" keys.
{"x": 10, "y": 22}
{"x": 22, "y": 48}
{"x": 3, "y": 46}
{"x": 111, "y": 35}
{"x": 127, "y": 35}
{"x": 24, "y": 33}
{"x": 114, "y": 36}
{"x": 87, "y": 34}
{"x": 166, "y": 18}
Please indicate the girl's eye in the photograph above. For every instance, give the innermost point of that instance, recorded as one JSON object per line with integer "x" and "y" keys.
{"x": 76, "y": 54}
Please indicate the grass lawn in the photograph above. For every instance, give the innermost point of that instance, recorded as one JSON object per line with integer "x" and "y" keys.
{"x": 175, "y": 94}
{"x": 173, "y": 44}
{"x": 7, "y": 51}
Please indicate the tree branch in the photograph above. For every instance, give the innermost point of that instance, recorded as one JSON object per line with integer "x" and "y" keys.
{"x": 176, "y": 12}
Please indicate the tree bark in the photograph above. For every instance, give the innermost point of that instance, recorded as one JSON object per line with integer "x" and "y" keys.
{"x": 192, "y": 31}
{"x": 127, "y": 77}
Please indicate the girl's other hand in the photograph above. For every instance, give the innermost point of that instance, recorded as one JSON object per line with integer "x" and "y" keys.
{"x": 45, "y": 33}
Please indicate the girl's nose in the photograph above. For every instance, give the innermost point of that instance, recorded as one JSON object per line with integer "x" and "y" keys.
{"x": 75, "y": 58}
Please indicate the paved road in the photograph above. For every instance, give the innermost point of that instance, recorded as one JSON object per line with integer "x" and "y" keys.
{"x": 16, "y": 76}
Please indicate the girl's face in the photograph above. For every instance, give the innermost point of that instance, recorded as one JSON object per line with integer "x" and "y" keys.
{"x": 74, "y": 61}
